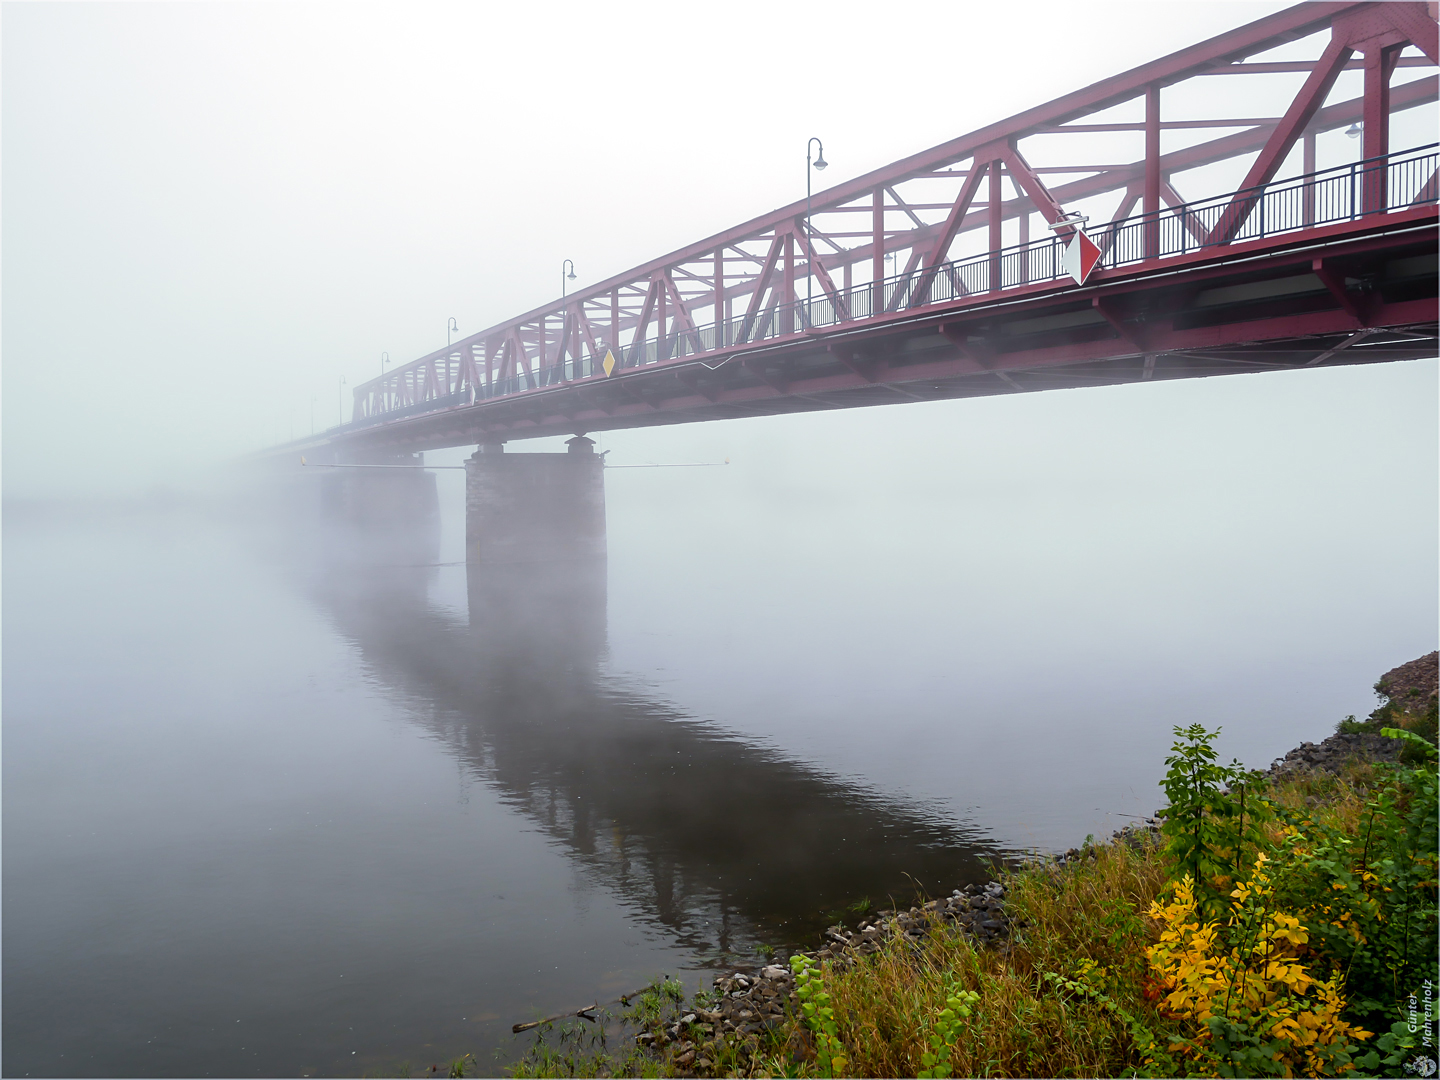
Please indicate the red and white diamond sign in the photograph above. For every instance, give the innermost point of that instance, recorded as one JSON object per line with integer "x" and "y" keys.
{"x": 1081, "y": 255}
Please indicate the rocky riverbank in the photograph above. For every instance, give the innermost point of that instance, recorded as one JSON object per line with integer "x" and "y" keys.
{"x": 1412, "y": 688}
{"x": 745, "y": 1024}
{"x": 1334, "y": 753}
{"x": 746, "y": 1005}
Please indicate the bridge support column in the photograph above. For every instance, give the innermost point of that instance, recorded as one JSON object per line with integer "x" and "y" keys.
{"x": 535, "y": 508}
{"x": 382, "y": 491}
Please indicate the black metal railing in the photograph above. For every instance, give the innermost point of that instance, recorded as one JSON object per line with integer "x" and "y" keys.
{"x": 1346, "y": 193}
{"x": 445, "y": 401}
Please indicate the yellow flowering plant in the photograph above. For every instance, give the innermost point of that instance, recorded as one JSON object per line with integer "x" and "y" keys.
{"x": 1368, "y": 894}
{"x": 1256, "y": 1008}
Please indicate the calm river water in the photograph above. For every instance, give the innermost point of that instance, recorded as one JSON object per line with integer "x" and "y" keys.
{"x": 282, "y": 808}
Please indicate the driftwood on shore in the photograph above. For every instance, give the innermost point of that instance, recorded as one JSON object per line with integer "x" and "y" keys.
{"x": 584, "y": 1014}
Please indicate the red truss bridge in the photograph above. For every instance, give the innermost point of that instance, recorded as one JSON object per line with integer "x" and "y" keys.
{"x": 1226, "y": 243}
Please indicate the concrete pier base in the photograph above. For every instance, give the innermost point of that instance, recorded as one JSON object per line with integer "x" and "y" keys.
{"x": 535, "y": 508}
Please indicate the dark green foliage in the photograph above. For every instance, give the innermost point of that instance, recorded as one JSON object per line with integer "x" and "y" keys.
{"x": 1369, "y": 900}
{"x": 1427, "y": 727}
{"x": 1212, "y": 825}
{"x": 1236, "y": 1049}
{"x": 1352, "y": 856}
{"x": 1396, "y": 714}
{"x": 1391, "y": 1052}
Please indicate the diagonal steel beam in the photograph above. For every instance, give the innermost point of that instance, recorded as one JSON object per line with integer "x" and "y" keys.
{"x": 904, "y": 294}
{"x": 1420, "y": 27}
{"x": 1409, "y": 19}
{"x": 1353, "y": 339}
{"x": 761, "y": 284}
{"x": 1046, "y": 203}
{"x": 651, "y": 300}
{"x": 903, "y": 205}
{"x": 682, "y": 314}
{"x": 587, "y": 331}
{"x": 1334, "y": 283}
{"x": 1302, "y": 110}
{"x": 941, "y": 246}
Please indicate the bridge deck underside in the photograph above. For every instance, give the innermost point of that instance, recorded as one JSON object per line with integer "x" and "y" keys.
{"x": 1367, "y": 296}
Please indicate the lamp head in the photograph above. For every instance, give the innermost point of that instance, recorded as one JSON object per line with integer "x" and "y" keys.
{"x": 1353, "y": 131}
{"x": 820, "y": 162}
{"x": 571, "y": 275}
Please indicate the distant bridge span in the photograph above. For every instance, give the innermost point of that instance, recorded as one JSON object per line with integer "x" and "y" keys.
{"x": 1299, "y": 264}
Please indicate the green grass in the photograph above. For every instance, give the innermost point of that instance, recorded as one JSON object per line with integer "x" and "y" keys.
{"x": 1070, "y": 993}
{"x": 885, "y": 1004}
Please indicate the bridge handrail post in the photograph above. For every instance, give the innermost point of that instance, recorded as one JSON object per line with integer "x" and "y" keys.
{"x": 1376, "y": 185}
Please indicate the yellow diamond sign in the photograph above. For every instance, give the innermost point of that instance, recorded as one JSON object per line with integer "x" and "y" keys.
{"x": 609, "y": 364}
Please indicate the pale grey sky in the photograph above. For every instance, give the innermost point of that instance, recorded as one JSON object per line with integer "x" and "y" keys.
{"x": 213, "y": 211}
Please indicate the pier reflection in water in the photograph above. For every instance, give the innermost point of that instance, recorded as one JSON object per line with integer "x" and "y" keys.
{"x": 334, "y": 815}
{"x": 723, "y": 843}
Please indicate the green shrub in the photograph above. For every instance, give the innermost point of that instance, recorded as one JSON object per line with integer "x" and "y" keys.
{"x": 1351, "y": 726}
{"x": 945, "y": 1031}
{"x": 1367, "y": 893}
{"x": 1212, "y": 825}
{"x": 819, "y": 1015}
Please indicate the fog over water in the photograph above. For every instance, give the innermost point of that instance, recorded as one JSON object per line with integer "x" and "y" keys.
{"x": 281, "y": 800}
{"x": 275, "y": 803}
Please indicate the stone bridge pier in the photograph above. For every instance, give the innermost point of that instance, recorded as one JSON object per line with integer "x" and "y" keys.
{"x": 535, "y": 508}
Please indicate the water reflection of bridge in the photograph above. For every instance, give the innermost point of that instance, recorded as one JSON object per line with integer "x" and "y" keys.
{"x": 720, "y": 842}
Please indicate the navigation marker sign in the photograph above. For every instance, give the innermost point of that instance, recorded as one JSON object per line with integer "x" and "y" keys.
{"x": 609, "y": 364}
{"x": 1081, "y": 255}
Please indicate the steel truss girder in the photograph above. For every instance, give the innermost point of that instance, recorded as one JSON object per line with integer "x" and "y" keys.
{"x": 766, "y": 279}
{"x": 969, "y": 350}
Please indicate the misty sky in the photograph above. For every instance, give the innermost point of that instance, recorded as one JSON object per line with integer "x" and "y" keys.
{"x": 989, "y": 610}
{"x": 214, "y": 212}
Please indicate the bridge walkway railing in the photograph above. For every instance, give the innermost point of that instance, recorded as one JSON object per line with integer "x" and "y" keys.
{"x": 1326, "y": 197}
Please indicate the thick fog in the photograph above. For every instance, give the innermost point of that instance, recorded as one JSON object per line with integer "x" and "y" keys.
{"x": 370, "y": 810}
{"x": 219, "y": 217}
{"x": 213, "y": 213}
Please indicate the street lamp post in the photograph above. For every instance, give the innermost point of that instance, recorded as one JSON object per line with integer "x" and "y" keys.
{"x": 384, "y": 359}
{"x": 451, "y": 327}
{"x": 564, "y": 277}
{"x": 819, "y": 164}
